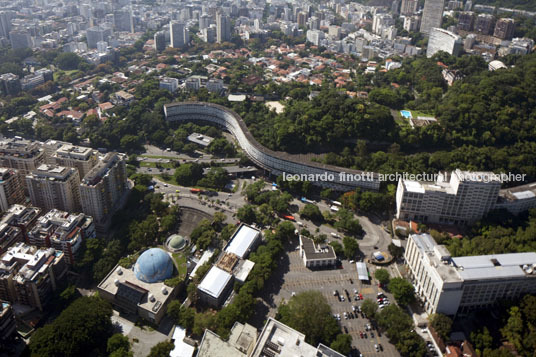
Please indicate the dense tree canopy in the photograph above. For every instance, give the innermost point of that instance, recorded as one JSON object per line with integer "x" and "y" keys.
{"x": 309, "y": 313}
{"x": 80, "y": 330}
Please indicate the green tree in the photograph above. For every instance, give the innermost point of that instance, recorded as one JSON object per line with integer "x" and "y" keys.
{"x": 342, "y": 344}
{"x": 441, "y": 324}
{"x": 382, "y": 275}
{"x": 161, "y": 349}
{"x": 351, "y": 247}
{"x": 402, "y": 290}
{"x": 369, "y": 308}
{"x": 246, "y": 214}
{"x": 68, "y": 61}
{"x": 513, "y": 330}
{"x": 337, "y": 247}
{"x": 182, "y": 315}
{"x": 188, "y": 174}
{"x": 118, "y": 344}
{"x": 309, "y": 313}
{"x": 82, "y": 329}
{"x": 312, "y": 212}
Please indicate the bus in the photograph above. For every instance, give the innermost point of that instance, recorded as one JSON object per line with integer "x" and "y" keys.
{"x": 195, "y": 190}
{"x": 336, "y": 203}
{"x": 290, "y": 218}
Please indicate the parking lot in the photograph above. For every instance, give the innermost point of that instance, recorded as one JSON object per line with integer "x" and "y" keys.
{"x": 293, "y": 276}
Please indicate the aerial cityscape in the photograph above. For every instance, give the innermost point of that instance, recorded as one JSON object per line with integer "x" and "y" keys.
{"x": 267, "y": 178}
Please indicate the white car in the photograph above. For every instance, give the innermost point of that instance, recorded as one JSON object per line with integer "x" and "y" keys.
{"x": 345, "y": 316}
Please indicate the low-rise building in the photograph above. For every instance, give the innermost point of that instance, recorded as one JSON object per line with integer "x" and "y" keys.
{"x": 452, "y": 285}
{"x": 141, "y": 290}
{"x": 63, "y": 231}
{"x": 215, "y": 287}
{"x": 316, "y": 255}
{"x": 243, "y": 241}
{"x": 278, "y": 339}
{"x": 29, "y": 275}
{"x": 240, "y": 343}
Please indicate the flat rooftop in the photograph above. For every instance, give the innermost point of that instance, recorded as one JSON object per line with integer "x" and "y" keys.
{"x": 215, "y": 282}
{"x": 200, "y": 139}
{"x": 493, "y": 266}
{"x": 314, "y": 251}
{"x": 242, "y": 240}
{"x": 278, "y": 339}
{"x": 120, "y": 275}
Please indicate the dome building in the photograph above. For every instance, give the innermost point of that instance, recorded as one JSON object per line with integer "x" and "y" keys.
{"x": 176, "y": 243}
{"x": 154, "y": 265}
{"x": 142, "y": 290}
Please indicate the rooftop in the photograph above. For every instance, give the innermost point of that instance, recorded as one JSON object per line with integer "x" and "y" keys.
{"x": 121, "y": 278}
{"x": 215, "y": 282}
{"x": 316, "y": 251}
{"x": 242, "y": 240}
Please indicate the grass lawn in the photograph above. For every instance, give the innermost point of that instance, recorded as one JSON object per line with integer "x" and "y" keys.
{"x": 167, "y": 165}
{"x": 180, "y": 261}
{"x": 57, "y": 74}
{"x": 159, "y": 157}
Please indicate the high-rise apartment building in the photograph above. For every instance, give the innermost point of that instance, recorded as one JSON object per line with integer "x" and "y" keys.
{"x": 102, "y": 190}
{"x": 223, "y": 28}
{"x": 484, "y": 24}
{"x": 97, "y": 34}
{"x": 20, "y": 154}
{"x": 178, "y": 34}
{"x": 443, "y": 40}
{"x": 5, "y": 24}
{"x": 466, "y": 21}
{"x": 409, "y": 7}
{"x": 62, "y": 231}
{"x": 81, "y": 158}
{"x": 20, "y": 39}
{"x": 159, "y": 41}
{"x": 452, "y": 285}
{"x": 432, "y": 15}
{"x": 9, "y": 84}
{"x": 466, "y": 198}
{"x": 123, "y": 20}
{"x": 504, "y": 29}
{"x": 52, "y": 186}
{"x": 29, "y": 275}
{"x": 11, "y": 188}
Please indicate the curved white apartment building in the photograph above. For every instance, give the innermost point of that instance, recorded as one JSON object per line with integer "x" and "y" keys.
{"x": 339, "y": 178}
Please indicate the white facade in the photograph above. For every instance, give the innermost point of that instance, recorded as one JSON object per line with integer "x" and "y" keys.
{"x": 316, "y": 255}
{"x": 432, "y": 15}
{"x": 452, "y": 285}
{"x": 443, "y": 40}
{"x": 464, "y": 199}
{"x": 170, "y": 84}
{"x": 278, "y": 163}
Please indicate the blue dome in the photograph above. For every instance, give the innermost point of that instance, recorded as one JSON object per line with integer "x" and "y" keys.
{"x": 153, "y": 265}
